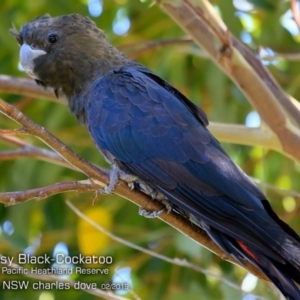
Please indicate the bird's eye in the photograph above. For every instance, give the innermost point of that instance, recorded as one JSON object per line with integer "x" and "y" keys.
{"x": 52, "y": 38}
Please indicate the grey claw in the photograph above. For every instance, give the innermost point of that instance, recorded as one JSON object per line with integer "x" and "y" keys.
{"x": 153, "y": 194}
{"x": 107, "y": 190}
{"x": 131, "y": 185}
{"x": 168, "y": 207}
{"x": 150, "y": 214}
{"x": 114, "y": 176}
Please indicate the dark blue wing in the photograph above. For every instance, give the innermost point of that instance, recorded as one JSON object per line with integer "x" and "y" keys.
{"x": 156, "y": 134}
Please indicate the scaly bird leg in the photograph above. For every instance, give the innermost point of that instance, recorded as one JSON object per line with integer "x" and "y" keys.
{"x": 115, "y": 174}
{"x": 157, "y": 196}
{"x": 150, "y": 214}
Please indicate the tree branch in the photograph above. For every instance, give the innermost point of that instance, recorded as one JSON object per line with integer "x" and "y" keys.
{"x": 12, "y": 140}
{"x": 242, "y": 66}
{"x": 101, "y": 178}
{"x": 12, "y": 198}
{"x": 285, "y": 56}
{"x": 26, "y": 87}
{"x": 29, "y": 151}
{"x": 239, "y": 134}
{"x": 224, "y": 132}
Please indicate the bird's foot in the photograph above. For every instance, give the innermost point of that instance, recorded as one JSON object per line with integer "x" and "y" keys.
{"x": 154, "y": 214}
{"x": 130, "y": 179}
{"x": 153, "y": 193}
{"x": 148, "y": 190}
{"x": 113, "y": 179}
{"x": 115, "y": 174}
{"x": 131, "y": 185}
{"x": 150, "y": 214}
{"x": 168, "y": 205}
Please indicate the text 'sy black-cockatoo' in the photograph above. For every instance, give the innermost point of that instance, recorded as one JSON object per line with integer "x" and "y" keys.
{"x": 150, "y": 131}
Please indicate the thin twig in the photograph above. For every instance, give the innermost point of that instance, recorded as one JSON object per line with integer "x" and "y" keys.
{"x": 124, "y": 280}
{"x": 28, "y": 151}
{"x": 175, "y": 261}
{"x": 26, "y": 87}
{"x": 31, "y": 152}
{"x": 12, "y": 140}
{"x": 263, "y": 57}
{"x": 277, "y": 189}
{"x": 136, "y": 49}
{"x": 12, "y": 198}
{"x": 13, "y": 131}
{"x": 284, "y": 56}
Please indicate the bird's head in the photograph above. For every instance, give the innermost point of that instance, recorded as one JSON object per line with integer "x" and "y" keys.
{"x": 65, "y": 52}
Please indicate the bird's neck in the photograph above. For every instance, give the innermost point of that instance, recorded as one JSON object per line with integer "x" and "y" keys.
{"x": 86, "y": 72}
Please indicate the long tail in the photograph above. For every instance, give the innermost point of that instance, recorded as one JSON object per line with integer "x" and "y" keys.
{"x": 281, "y": 272}
{"x": 256, "y": 235}
{"x": 282, "y": 275}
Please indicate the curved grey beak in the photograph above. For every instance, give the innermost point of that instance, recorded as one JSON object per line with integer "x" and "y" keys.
{"x": 27, "y": 56}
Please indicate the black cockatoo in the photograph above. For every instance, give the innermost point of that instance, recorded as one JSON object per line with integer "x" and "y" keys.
{"x": 153, "y": 134}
